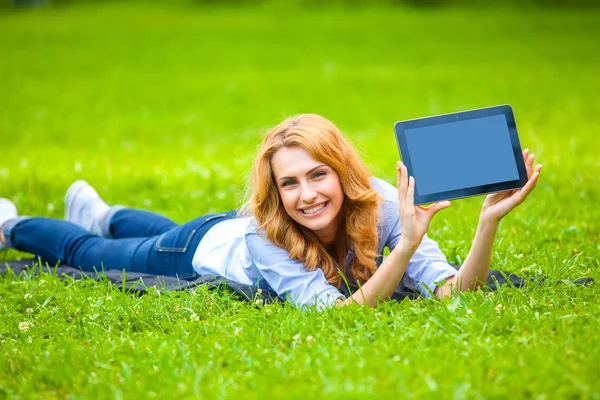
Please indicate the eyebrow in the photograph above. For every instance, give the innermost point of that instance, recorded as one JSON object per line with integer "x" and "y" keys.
{"x": 310, "y": 171}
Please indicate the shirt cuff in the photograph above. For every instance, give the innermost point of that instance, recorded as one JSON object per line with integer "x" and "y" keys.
{"x": 441, "y": 271}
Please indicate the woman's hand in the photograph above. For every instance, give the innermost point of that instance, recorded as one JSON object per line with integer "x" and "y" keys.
{"x": 415, "y": 220}
{"x": 498, "y": 205}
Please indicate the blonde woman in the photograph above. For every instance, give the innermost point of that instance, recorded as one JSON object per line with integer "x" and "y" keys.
{"x": 314, "y": 217}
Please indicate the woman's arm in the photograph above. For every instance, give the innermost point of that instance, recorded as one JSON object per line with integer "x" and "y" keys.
{"x": 386, "y": 279}
{"x": 415, "y": 223}
{"x": 473, "y": 273}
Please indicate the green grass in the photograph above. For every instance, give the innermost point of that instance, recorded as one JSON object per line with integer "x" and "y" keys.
{"x": 162, "y": 108}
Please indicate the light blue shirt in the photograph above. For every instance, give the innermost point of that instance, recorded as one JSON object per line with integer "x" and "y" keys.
{"x": 234, "y": 250}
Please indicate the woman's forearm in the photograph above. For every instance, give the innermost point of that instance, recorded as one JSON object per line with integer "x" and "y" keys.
{"x": 473, "y": 273}
{"x": 386, "y": 279}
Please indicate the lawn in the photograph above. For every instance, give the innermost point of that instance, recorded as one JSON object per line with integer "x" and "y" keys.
{"x": 162, "y": 107}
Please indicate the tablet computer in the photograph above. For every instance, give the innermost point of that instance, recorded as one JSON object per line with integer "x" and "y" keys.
{"x": 462, "y": 154}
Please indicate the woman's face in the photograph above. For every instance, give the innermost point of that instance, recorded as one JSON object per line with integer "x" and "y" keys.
{"x": 310, "y": 191}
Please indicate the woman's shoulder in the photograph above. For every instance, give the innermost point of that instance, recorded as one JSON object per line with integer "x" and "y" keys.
{"x": 386, "y": 190}
{"x": 255, "y": 235}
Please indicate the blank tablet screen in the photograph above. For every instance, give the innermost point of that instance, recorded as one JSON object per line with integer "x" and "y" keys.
{"x": 461, "y": 154}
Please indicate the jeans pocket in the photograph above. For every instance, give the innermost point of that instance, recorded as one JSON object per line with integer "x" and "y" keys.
{"x": 178, "y": 240}
{"x": 174, "y": 242}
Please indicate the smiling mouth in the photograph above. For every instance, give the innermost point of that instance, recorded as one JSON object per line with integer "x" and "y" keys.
{"x": 313, "y": 210}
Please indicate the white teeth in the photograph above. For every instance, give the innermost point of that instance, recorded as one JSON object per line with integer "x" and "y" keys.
{"x": 315, "y": 209}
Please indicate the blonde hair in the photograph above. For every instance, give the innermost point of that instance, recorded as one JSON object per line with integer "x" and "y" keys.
{"x": 358, "y": 227}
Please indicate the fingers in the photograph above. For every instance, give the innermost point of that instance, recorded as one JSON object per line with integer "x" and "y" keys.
{"x": 410, "y": 194}
{"x": 522, "y": 194}
{"x": 406, "y": 189}
{"x": 400, "y": 184}
{"x": 525, "y": 157}
{"x": 529, "y": 158}
{"x": 529, "y": 165}
{"x": 434, "y": 208}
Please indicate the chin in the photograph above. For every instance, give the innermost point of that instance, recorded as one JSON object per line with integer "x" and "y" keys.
{"x": 315, "y": 225}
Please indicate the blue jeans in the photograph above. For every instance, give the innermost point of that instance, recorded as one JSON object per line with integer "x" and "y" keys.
{"x": 140, "y": 241}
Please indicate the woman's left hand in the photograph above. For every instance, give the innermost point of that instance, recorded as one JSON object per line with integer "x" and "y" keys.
{"x": 498, "y": 205}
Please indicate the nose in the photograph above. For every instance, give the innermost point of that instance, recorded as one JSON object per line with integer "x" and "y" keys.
{"x": 308, "y": 194}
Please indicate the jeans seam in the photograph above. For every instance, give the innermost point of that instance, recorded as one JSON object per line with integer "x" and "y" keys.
{"x": 213, "y": 217}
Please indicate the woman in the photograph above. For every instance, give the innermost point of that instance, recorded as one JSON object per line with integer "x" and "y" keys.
{"x": 314, "y": 216}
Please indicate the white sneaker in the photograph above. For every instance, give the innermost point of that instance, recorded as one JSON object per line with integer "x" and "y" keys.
{"x": 84, "y": 207}
{"x": 8, "y": 210}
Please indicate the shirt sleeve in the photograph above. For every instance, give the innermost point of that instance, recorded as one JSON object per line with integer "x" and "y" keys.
{"x": 428, "y": 265}
{"x": 290, "y": 278}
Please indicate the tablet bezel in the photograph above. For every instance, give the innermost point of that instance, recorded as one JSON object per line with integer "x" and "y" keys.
{"x": 505, "y": 110}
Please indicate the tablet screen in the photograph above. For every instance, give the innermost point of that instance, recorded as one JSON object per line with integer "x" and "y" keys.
{"x": 463, "y": 154}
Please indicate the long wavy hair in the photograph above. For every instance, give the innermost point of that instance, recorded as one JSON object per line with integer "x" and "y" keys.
{"x": 358, "y": 227}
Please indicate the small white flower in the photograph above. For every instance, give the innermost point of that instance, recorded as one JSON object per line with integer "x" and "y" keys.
{"x": 396, "y": 358}
{"x": 218, "y": 346}
{"x": 296, "y": 337}
{"x": 194, "y": 317}
{"x": 24, "y": 326}
{"x": 499, "y": 307}
{"x": 236, "y": 332}
{"x": 259, "y": 292}
{"x": 469, "y": 312}
{"x": 29, "y": 310}
{"x": 258, "y": 302}
{"x": 28, "y": 296}
{"x": 108, "y": 298}
{"x": 310, "y": 340}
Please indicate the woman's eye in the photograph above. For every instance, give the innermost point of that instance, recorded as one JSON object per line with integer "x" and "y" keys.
{"x": 319, "y": 174}
{"x": 287, "y": 183}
